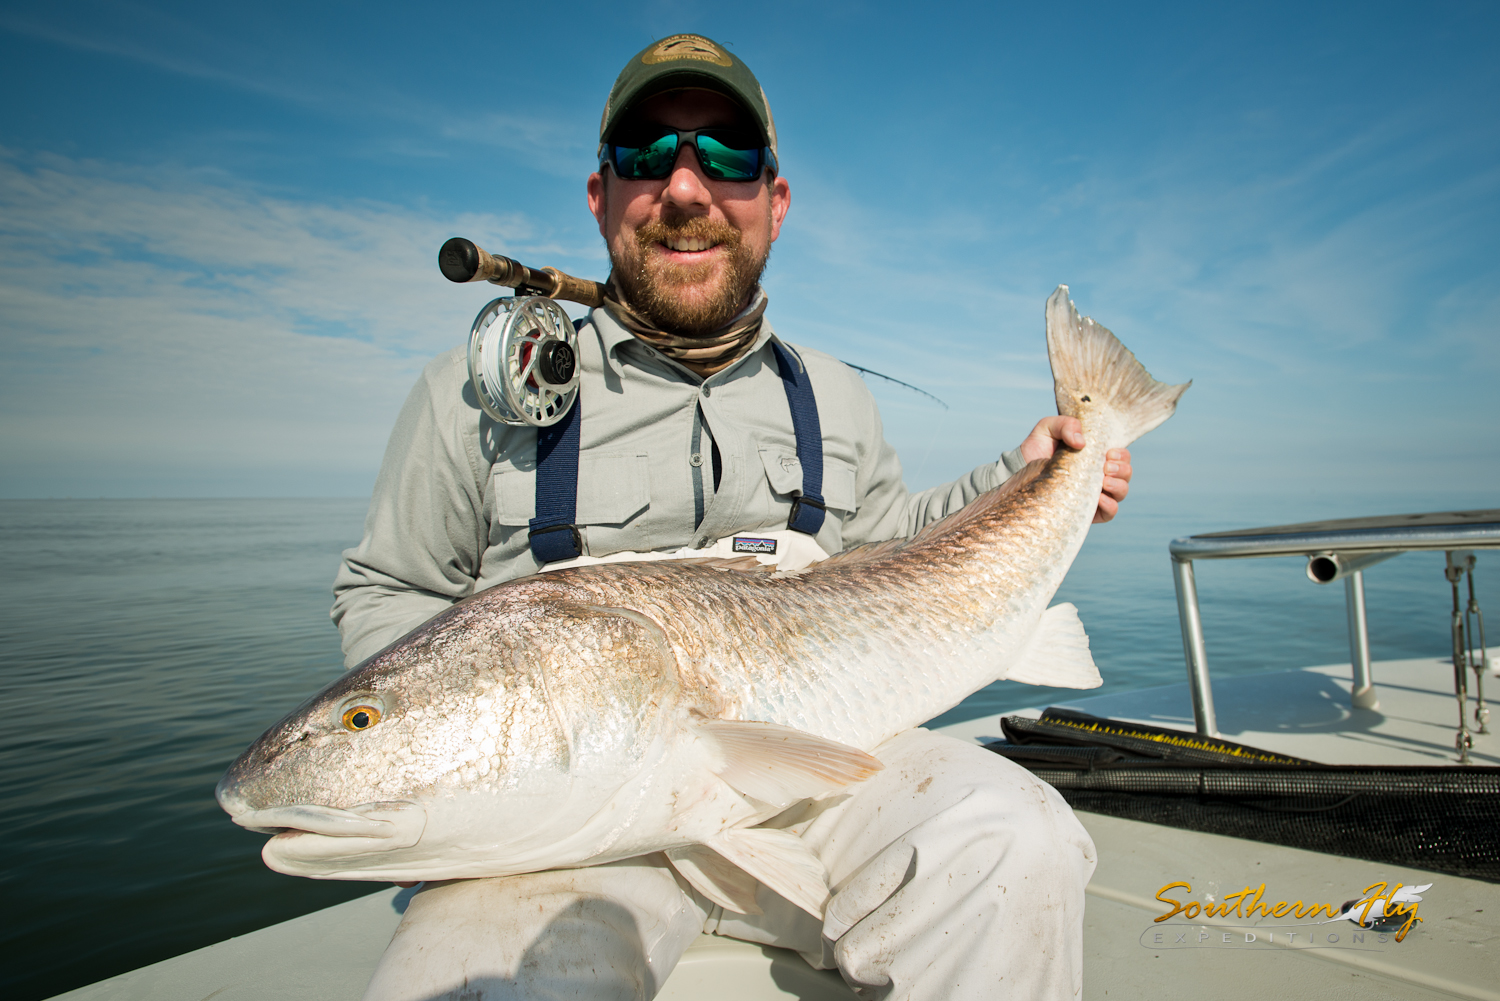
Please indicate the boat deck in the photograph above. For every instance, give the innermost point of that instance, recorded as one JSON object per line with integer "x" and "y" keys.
{"x": 1454, "y": 952}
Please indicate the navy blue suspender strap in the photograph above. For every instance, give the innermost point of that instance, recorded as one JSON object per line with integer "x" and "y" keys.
{"x": 807, "y": 511}
{"x": 554, "y": 536}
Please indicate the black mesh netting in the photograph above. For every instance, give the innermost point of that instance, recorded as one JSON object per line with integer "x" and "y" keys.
{"x": 1443, "y": 819}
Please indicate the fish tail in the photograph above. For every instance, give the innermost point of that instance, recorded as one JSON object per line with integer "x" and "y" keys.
{"x": 1091, "y": 368}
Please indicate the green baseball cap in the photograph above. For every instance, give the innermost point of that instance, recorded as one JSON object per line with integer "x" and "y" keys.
{"x": 687, "y": 61}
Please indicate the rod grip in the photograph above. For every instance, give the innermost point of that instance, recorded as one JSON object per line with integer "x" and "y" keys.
{"x": 581, "y": 290}
{"x": 463, "y": 260}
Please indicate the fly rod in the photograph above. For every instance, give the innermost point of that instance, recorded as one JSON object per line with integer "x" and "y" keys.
{"x": 465, "y": 261}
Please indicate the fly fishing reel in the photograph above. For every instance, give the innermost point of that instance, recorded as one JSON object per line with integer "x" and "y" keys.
{"x": 523, "y": 352}
{"x": 523, "y": 361}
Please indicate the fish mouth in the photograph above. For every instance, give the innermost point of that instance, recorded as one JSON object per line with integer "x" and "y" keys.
{"x": 325, "y": 842}
{"x": 361, "y": 822}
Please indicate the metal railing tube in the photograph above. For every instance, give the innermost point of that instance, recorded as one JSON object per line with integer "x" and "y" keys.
{"x": 1325, "y": 568}
{"x": 1362, "y": 695}
{"x": 1359, "y": 540}
{"x": 1193, "y": 647}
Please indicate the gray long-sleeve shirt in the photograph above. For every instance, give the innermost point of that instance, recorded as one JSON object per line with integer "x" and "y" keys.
{"x": 456, "y": 490}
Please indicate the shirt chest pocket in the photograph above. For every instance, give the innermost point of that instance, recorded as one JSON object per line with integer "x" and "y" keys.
{"x": 613, "y": 489}
{"x": 784, "y": 473}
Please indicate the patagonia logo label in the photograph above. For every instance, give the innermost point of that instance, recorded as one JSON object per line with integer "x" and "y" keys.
{"x": 761, "y": 547}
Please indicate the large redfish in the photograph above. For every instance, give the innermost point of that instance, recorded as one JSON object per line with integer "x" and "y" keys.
{"x": 596, "y": 713}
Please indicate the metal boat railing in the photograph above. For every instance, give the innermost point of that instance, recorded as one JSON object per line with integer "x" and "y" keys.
{"x": 1335, "y": 550}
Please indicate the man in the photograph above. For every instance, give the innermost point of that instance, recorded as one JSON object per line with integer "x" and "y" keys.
{"x": 954, "y": 874}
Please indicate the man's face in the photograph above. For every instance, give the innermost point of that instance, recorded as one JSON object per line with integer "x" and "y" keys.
{"x": 688, "y": 249}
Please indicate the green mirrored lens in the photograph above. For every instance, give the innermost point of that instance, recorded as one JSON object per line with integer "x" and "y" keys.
{"x": 724, "y": 162}
{"x": 651, "y": 161}
{"x": 723, "y": 155}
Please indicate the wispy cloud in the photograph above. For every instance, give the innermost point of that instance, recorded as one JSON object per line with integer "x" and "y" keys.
{"x": 1335, "y": 301}
{"x": 556, "y": 147}
{"x": 1307, "y": 227}
{"x": 155, "y": 319}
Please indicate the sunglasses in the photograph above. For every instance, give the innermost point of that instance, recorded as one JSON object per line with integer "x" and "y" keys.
{"x": 651, "y": 153}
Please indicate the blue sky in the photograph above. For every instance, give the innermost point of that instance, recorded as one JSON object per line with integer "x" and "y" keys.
{"x": 218, "y": 224}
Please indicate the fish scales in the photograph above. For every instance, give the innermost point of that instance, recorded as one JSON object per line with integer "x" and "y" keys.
{"x": 598, "y": 712}
{"x": 879, "y": 612}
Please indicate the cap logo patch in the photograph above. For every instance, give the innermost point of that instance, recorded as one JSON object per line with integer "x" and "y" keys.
{"x": 761, "y": 547}
{"x": 694, "y": 47}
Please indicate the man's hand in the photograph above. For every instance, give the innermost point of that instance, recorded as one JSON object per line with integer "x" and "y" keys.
{"x": 1043, "y": 440}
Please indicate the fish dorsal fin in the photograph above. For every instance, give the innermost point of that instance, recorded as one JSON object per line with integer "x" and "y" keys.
{"x": 781, "y": 861}
{"x": 741, "y": 563}
{"x": 714, "y": 876}
{"x": 1057, "y": 654}
{"x": 981, "y": 506}
{"x": 859, "y": 554}
{"x": 779, "y": 765}
{"x": 934, "y": 531}
{"x": 872, "y": 551}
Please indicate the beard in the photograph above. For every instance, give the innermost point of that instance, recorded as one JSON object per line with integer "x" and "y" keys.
{"x": 692, "y": 299}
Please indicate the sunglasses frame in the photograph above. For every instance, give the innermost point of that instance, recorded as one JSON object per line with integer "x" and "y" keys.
{"x": 608, "y": 155}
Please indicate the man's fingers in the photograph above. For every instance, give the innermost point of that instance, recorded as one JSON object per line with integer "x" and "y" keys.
{"x": 1117, "y": 473}
{"x": 1042, "y": 441}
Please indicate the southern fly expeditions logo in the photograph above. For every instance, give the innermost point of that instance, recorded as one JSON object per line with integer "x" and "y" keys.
{"x": 1382, "y": 914}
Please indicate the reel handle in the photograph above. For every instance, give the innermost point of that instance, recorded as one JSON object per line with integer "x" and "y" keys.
{"x": 463, "y": 260}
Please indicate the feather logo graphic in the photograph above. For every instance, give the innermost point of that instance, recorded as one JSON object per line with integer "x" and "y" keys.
{"x": 1398, "y": 908}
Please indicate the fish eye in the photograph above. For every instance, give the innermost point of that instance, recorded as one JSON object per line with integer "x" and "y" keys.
{"x": 360, "y": 717}
{"x": 360, "y": 710}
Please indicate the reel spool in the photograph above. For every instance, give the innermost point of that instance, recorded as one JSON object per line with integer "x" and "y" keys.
{"x": 523, "y": 361}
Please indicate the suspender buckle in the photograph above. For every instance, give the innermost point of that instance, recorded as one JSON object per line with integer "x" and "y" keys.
{"x": 549, "y": 546}
{"x": 807, "y": 515}
{"x": 807, "y": 510}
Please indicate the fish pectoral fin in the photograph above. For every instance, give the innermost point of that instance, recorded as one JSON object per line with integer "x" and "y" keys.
{"x": 714, "y": 876}
{"x": 779, "y": 765}
{"x": 781, "y": 861}
{"x": 1057, "y": 654}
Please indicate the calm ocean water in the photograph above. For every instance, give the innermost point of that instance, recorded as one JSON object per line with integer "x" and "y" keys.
{"x": 144, "y": 644}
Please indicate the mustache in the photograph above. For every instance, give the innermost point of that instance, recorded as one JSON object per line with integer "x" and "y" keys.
{"x": 713, "y": 231}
